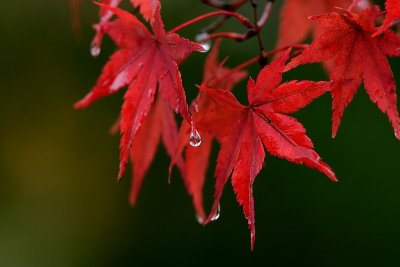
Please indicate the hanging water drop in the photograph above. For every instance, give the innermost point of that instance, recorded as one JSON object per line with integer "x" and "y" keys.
{"x": 95, "y": 50}
{"x": 217, "y": 214}
{"x": 196, "y": 107}
{"x": 363, "y": 4}
{"x": 195, "y": 138}
{"x": 202, "y": 36}
{"x": 199, "y": 219}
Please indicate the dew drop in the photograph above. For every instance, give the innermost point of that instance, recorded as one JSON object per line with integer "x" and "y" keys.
{"x": 200, "y": 37}
{"x": 196, "y": 107}
{"x": 363, "y": 4}
{"x": 195, "y": 138}
{"x": 199, "y": 219}
{"x": 95, "y": 50}
{"x": 217, "y": 214}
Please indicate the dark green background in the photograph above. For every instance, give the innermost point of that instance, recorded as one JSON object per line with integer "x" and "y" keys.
{"x": 60, "y": 204}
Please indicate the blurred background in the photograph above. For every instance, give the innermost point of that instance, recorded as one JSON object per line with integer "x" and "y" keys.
{"x": 60, "y": 203}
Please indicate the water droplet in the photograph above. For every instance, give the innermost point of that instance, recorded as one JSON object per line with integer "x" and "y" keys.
{"x": 95, "y": 50}
{"x": 196, "y": 107}
{"x": 217, "y": 214}
{"x": 199, "y": 219}
{"x": 195, "y": 138}
{"x": 200, "y": 37}
{"x": 363, "y": 4}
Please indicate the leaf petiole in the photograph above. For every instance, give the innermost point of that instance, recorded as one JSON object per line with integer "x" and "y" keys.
{"x": 242, "y": 19}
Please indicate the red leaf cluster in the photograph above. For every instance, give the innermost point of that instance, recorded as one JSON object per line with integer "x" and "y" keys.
{"x": 356, "y": 56}
{"x": 147, "y": 64}
{"x": 353, "y": 48}
{"x": 196, "y": 158}
{"x": 243, "y": 130}
{"x": 294, "y": 25}
{"x": 392, "y": 15}
{"x": 148, "y": 9}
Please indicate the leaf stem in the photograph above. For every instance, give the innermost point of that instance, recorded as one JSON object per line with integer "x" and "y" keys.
{"x": 262, "y": 61}
{"x": 230, "y": 35}
{"x": 214, "y": 25}
{"x": 352, "y": 5}
{"x": 265, "y": 55}
{"x": 242, "y": 19}
{"x": 268, "y": 54}
{"x": 220, "y": 21}
{"x": 221, "y": 5}
{"x": 266, "y": 13}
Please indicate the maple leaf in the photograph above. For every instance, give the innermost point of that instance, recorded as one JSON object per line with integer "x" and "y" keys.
{"x": 197, "y": 158}
{"x": 243, "y": 130}
{"x": 147, "y": 9}
{"x": 294, "y": 26}
{"x": 159, "y": 125}
{"x": 355, "y": 57}
{"x": 144, "y": 62}
{"x": 392, "y": 15}
{"x": 105, "y": 16}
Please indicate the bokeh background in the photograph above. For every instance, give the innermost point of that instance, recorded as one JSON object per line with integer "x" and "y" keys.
{"x": 60, "y": 203}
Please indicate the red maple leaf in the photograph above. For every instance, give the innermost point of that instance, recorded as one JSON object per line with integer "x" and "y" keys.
{"x": 145, "y": 63}
{"x": 243, "y": 130}
{"x": 197, "y": 158}
{"x": 105, "y": 16}
{"x": 295, "y": 27}
{"x": 159, "y": 125}
{"x": 356, "y": 57}
{"x": 392, "y": 15}
{"x": 147, "y": 9}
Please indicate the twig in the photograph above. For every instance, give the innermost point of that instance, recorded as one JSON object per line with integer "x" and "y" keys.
{"x": 221, "y": 5}
{"x": 215, "y": 25}
{"x": 262, "y": 61}
{"x": 242, "y": 19}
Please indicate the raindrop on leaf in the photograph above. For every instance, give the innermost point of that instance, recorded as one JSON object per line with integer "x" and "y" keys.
{"x": 200, "y": 37}
{"x": 195, "y": 138}
{"x": 95, "y": 50}
{"x": 217, "y": 214}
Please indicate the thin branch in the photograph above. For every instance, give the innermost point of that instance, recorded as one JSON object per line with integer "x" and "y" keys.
{"x": 242, "y": 19}
{"x": 215, "y": 25}
{"x": 221, "y": 5}
{"x": 263, "y": 62}
{"x": 219, "y": 22}
{"x": 266, "y": 13}
{"x": 249, "y": 62}
{"x": 353, "y": 4}
{"x": 260, "y": 24}
{"x": 265, "y": 55}
{"x": 394, "y": 23}
{"x": 230, "y": 35}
